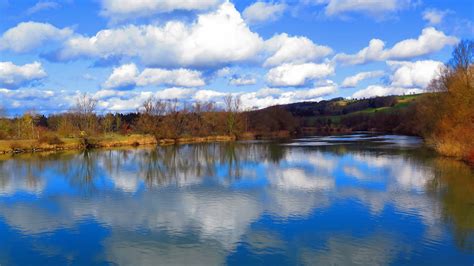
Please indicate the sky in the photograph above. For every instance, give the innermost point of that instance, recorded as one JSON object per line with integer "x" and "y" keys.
{"x": 266, "y": 52}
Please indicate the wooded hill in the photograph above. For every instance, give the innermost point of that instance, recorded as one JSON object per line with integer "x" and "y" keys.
{"x": 338, "y": 115}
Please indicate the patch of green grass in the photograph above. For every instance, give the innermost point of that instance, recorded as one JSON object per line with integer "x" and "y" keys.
{"x": 407, "y": 98}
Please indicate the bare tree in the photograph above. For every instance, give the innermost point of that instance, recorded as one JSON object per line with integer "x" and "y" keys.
{"x": 462, "y": 60}
{"x": 446, "y": 115}
{"x": 151, "y": 118}
{"x": 84, "y": 108}
{"x": 232, "y": 107}
{"x": 176, "y": 118}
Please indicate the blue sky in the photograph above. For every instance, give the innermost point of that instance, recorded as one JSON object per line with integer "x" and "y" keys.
{"x": 267, "y": 52}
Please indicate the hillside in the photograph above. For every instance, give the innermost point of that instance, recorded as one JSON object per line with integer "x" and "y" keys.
{"x": 341, "y": 106}
{"x": 386, "y": 113}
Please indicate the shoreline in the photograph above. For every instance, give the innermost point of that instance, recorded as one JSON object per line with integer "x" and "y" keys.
{"x": 12, "y": 147}
{"x": 69, "y": 144}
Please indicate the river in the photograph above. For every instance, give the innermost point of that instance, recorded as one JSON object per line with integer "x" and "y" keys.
{"x": 359, "y": 199}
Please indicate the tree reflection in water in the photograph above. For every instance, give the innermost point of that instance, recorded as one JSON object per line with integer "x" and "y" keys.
{"x": 452, "y": 184}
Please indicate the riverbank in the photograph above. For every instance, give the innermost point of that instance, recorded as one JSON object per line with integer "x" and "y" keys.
{"x": 135, "y": 140}
{"x": 107, "y": 141}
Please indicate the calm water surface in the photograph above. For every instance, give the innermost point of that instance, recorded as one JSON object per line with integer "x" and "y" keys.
{"x": 355, "y": 199}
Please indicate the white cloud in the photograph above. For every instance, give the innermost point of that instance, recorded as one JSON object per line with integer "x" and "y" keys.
{"x": 40, "y": 6}
{"x": 175, "y": 93}
{"x": 126, "y": 101}
{"x": 352, "y": 81}
{"x": 414, "y": 74}
{"x": 123, "y": 76}
{"x": 27, "y": 36}
{"x": 36, "y": 99}
{"x": 176, "y": 77}
{"x": 13, "y": 76}
{"x": 26, "y": 94}
{"x": 262, "y": 11}
{"x": 264, "y": 92}
{"x": 216, "y": 38}
{"x": 270, "y": 96}
{"x": 407, "y": 78}
{"x": 123, "y": 101}
{"x": 374, "y": 52}
{"x": 298, "y": 74}
{"x": 120, "y": 9}
{"x": 242, "y": 81}
{"x": 370, "y": 7}
{"x": 127, "y": 76}
{"x": 434, "y": 16}
{"x": 379, "y": 90}
{"x": 223, "y": 72}
{"x": 130, "y": 100}
{"x": 296, "y": 49}
{"x": 430, "y": 41}
{"x": 310, "y": 94}
{"x": 208, "y": 95}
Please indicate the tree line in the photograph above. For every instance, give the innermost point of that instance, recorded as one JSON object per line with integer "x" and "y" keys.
{"x": 164, "y": 119}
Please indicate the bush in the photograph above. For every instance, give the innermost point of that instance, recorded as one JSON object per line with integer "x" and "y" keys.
{"x": 50, "y": 139}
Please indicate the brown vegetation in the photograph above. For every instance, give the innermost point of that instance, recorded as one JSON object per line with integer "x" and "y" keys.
{"x": 447, "y": 114}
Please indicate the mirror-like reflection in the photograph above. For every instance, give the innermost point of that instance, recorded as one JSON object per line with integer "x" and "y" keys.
{"x": 356, "y": 199}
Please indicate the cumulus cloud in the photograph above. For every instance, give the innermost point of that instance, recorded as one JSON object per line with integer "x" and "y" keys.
{"x": 110, "y": 100}
{"x": 407, "y": 78}
{"x": 40, "y": 100}
{"x": 208, "y": 95}
{"x": 119, "y": 9}
{"x": 242, "y": 80}
{"x": 295, "y": 49}
{"x": 216, "y": 38}
{"x": 298, "y": 74}
{"x": 262, "y": 11}
{"x": 27, "y": 36}
{"x": 176, "y": 77}
{"x": 434, "y": 16}
{"x": 310, "y": 94}
{"x": 352, "y": 81}
{"x": 122, "y": 77}
{"x": 127, "y": 76}
{"x": 14, "y": 76}
{"x": 414, "y": 74}
{"x": 430, "y": 41}
{"x": 46, "y": 101}
{"x": 126, "y": 101}
{"x": 175, "y": 93}
{"x": 270, "y": 96}
{"x": 380, "y": 90}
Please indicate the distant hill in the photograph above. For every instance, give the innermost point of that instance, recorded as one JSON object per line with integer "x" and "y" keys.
{"x": 341, "y": 106}
{"x": 387, "y": 113}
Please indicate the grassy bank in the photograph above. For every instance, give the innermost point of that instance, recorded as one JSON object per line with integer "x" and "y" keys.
{"x": 106, "y": 141}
